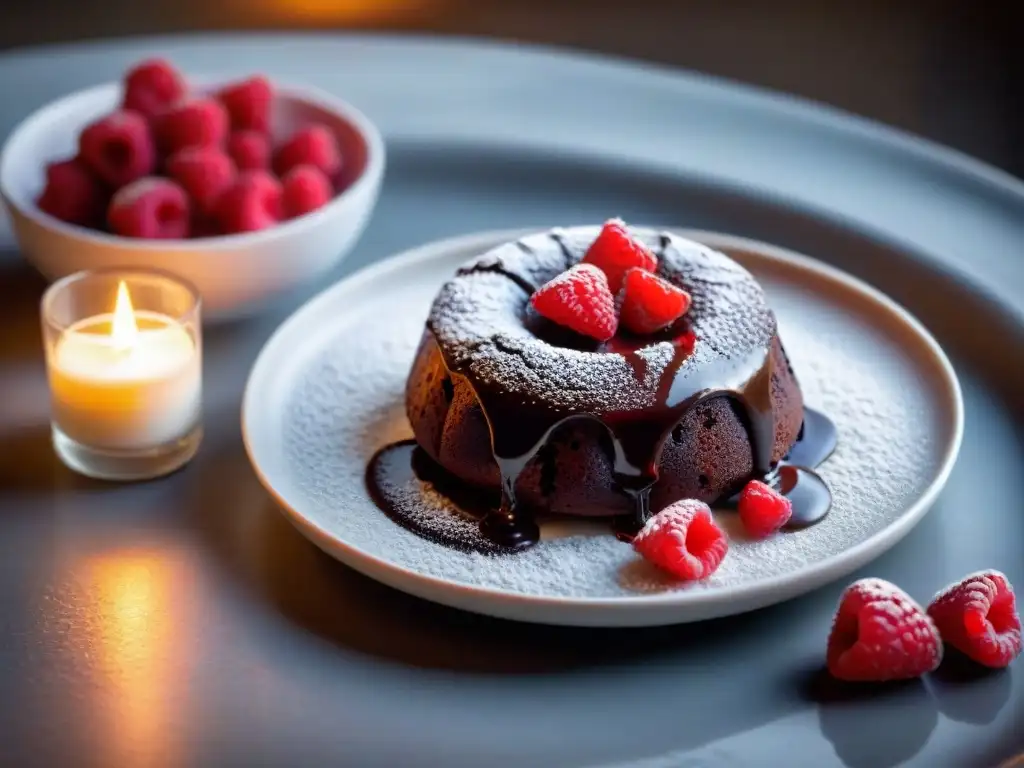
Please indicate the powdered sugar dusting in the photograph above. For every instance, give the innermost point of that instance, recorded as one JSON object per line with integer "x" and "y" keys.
{"x": 347, "y": 401}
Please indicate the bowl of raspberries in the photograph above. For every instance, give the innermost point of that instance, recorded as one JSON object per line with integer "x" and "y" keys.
{"x": 245, "y": 187}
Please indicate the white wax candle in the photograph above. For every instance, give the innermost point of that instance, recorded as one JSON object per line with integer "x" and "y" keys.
{"x": 126, "y": 388}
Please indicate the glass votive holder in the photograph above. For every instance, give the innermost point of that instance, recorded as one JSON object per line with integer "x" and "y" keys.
{"x": 124, "y": 361}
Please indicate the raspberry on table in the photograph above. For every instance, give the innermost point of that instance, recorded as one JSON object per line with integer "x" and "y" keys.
{"x": 615, "y": 251}
{"x": 762, "y": 509}
{"x": 201, "y": 122}
{"x": 684, "y": 540}
{"x": 650, "y": 303}
{"x": 579, "y": 300}
{"x": 250, "y": 150}
{"x": 305, "y": 188}
{"x": 152, "y": 208}
{"x": 152, "y": 86}
{"x": 879, "y": 634}
{"x": 73, "y": 194}
{"x": 204, "y": 173}
{"x": 118, "y": 148}
{"x": 248, "y": 104}
{"x": 978, "y": 616}
{"x": 253, "y": 202}
{"x": 315, "y": 145}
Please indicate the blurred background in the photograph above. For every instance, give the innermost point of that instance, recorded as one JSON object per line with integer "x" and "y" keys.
{"x": 949, "y": 70}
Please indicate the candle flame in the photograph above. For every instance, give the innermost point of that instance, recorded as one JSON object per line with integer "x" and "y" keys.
{"x": 123, "y": 329}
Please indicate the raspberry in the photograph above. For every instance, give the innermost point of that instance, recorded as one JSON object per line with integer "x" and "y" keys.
{"x": 879, "y": 633}
{"x": 250, "y": 150}
{"x": 192, "y": 123}
{"x": 248, "y": 104}
{"x": 305, "y": 189}
{"x": 615, "y": 251}
{"x": 978, "y": 617}
{"x": 152, "y": 86}
{"x": 315, "y": 145}
{"x": 649, "y": 303}
{"x": 73, "y": 194}
{"x": 252, "y": 203}
{"x": 683, "y": 539}
{"x": 204, "y": 173}
{"x": 579, "y": 299}
{"x": 763, "y": 510}
{"x": 152, "y": 208}
{"x": 118, "y": 148}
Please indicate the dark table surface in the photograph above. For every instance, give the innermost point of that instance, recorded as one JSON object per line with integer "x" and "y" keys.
{"x": 92, "y": 657}
{"x": 944, "y": 69}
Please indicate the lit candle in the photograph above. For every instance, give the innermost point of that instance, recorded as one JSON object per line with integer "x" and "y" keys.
{"x": 126, "y": 381}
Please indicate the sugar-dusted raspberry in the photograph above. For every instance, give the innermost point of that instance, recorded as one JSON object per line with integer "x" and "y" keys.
{"x": 152, "y": 86}
{"x": 315, "y": 145}
{"x": 879, "y": 633}
{"x": 199, "y": 122}
{"x": 684, "y": 540}
{"x": 616, "y": 251}
{"x": 118, "y": 148}
{"x": 203, "y": 172}
{"x": 762, "y": 509}
{"x": 305, "y": 189}
{"x": 579, "y": 299}
{"x": 248, "y": 104}
{"x": 978, "y": 616}
{"x": 250, "y": 150}
{"x": 251, "y": 203}
{"x": 151, "y": 207}
{"x": 649, "y": 303}
{"x": 73, "y": 194}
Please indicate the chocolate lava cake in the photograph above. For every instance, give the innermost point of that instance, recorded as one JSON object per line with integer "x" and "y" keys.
{"x": 570, "y": 425}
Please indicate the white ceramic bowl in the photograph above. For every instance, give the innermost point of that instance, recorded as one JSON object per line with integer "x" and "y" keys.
{"x": 236, "y": 273}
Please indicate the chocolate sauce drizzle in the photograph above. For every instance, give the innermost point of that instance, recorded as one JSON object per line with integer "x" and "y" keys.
{"x": 423, "y": 497}
{"x": 518, "y": 433}
{"x": 520, "y": 427}
{"x": 795, "y": 477}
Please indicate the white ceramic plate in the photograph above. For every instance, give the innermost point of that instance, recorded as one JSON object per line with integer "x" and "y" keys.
{"x": 327, "y": 391}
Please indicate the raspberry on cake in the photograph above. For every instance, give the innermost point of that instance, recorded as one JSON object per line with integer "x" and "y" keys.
{"x": 684, "y": 540}
{"x": 579, "y": 300}
{"x": 978, "y": 617}
{"x": 509, "y": 404}
{"x": 879, "y": 634}
{"x": 649, "y": 303}
{"x": 615, "y": 251}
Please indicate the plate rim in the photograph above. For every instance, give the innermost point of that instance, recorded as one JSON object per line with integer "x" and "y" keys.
{"x": 510, "y": 604}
